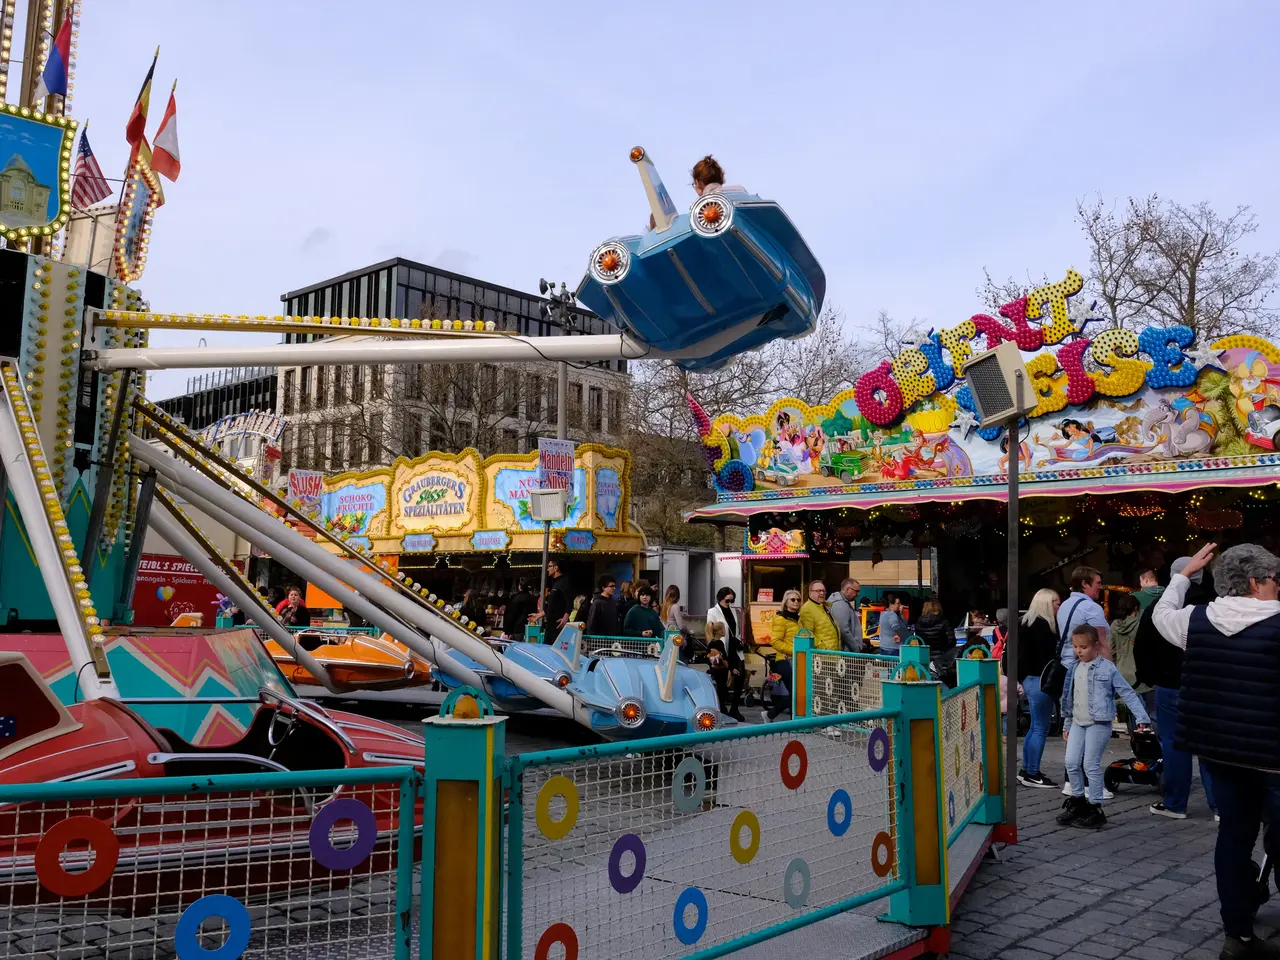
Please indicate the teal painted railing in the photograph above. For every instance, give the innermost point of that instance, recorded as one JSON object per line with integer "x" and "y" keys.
{"x": 287, "y": 861}
{"x": 712, "y": 840}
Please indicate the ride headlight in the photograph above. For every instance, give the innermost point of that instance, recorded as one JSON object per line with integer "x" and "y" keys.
{"x": 610, "y": 262}
{"x": 705, "y": 719}
{"x": 711, "y": 215}
{"x": 630, "y": 713}
{"x": 562, "y": 680}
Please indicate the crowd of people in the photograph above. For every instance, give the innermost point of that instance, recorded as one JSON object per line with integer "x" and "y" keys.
{"x": 1205, "y": 666}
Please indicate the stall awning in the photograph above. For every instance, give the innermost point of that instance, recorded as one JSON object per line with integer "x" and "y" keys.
{"x": 1160, "y": 477}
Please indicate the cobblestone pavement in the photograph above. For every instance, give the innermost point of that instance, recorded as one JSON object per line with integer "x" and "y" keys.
{"x": 1141, "y": 887}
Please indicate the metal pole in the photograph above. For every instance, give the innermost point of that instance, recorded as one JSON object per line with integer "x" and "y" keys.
{"x": 562, "y": 396}
{"x": 542, "y": 591}
{"x": 102, "y": 493}
{"x": 1011, "y": 640}
{"x": 142, "y": 517}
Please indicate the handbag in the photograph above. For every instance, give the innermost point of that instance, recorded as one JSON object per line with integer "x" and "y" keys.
{"x": 1053, "y": 678}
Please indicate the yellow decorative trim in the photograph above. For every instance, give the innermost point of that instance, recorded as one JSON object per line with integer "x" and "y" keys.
{"x": 1246, "y": 342}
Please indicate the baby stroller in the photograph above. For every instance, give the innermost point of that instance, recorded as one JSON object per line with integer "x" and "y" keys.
{"x": 1143, "y": 768}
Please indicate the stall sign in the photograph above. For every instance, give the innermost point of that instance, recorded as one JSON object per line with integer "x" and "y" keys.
{"x": 419, "y": 543}
{"x": 608, "y": 496}
{"x": 511, "y": 486}
{"x": 764, "y": 595}
{"x": 167, "y": 587}
{"x": 306, "y": 488}
{"x": 350, "y": 510}
{"x": 578, "y": 540}
{"x": 490, "y": 540}
{"x": 555, "y": 464}
{"x": 774, "y": 543}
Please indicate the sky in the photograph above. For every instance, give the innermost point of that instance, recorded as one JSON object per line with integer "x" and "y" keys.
{"x": 913, "y": 144}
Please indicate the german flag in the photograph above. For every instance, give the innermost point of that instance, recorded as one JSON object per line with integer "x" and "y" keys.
{"x": 137, "y": 124}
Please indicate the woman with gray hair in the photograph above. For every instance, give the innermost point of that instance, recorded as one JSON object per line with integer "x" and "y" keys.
{"x": 1228, "y": 713}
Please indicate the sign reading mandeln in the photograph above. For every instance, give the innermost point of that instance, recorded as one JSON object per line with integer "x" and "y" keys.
{"x": 555, "y": 464}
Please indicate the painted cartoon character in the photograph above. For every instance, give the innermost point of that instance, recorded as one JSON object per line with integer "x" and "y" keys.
{"x": 1184, "y": 429}
{"x": 1253, "y": 386}
{"x": 815, "y": 442}
{"x": 1024, "y": 454}
{"x": 743, "y": 445}
{"x": 1077, "y": 441}
{"x": 917, "y": 460}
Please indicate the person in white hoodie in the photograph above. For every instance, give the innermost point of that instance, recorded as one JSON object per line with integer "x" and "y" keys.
{"x": 1229, "y": 714}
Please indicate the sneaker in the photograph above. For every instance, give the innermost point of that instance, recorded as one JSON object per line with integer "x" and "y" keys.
{"x": 1066, "y": 787}
{"x": 1216, "y": 818}
{"x": 1090, "y": 816}
{"x": 1034, "y": 779}
{"x": 1071, "y": 808}
{"x": 1107, "y": 794}
{"x": 1234, "y": 948}
{"x": 1160, "y": 810}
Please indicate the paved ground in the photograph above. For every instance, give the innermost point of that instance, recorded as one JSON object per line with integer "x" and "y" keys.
{"x": 1142, "y": 887}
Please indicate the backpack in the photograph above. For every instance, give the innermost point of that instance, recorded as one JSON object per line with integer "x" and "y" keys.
{"x": 1053, "y": 678}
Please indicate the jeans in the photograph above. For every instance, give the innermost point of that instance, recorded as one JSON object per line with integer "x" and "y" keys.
{"x": 1041, "y": 705}
{"x": 1176, "y": 781}
{"x": 1244, "y": 797}
{"x": 1085, "y": 747}
{"x": 783, "y": 669}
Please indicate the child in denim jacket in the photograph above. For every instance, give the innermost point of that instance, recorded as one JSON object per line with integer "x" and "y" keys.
{"x": 1088, "y": 709}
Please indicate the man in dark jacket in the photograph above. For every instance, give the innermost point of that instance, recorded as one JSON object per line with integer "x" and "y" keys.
{"x": 1159, "y": 665}
{"x": 555, "y": 606}
{"x": 602, "y": 615}
{"x": 1228, "y": 714}
{"x": 519, "y": 608}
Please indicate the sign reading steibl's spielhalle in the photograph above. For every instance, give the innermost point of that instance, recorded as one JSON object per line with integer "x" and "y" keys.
{"x": 35, "y": 180}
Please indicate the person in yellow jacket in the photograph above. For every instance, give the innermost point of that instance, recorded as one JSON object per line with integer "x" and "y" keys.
{"x": 816, "y": 618}
{"x": 785, "y": 626}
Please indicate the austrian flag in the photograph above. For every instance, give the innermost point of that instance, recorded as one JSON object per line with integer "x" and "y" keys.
{"x": 164, "y": 157}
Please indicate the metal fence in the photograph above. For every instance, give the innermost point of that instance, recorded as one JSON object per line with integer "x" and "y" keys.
{"x": 962, "y": 752}
{"x": 847, "y": 682}
{"x": 299, "y": 865}
{"x": 695, "y": 845}
{"x": 622, "y": 646}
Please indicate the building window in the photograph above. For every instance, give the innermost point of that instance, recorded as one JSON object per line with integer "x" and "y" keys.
{"x": 354, "y": 444}
{"x": 373, "y": 452}
{"x": 322, "y": 388}
{"x": 377, "y": 379}
{"x": 462, "y": 387}
{"x": 553, "y": 402}
{"x": 337, "y": 449}
{"x": 435, "y": 437}
{"x": 575, "y": 405}
{"x": 510, "y": 441}
{"x": 340, "y": 376}
{"x": 319, "y": 447}
{"x": 615, "y": 412}
{"x": 357, "y": 384}
{"x": 533, "y": 399}
{"x": 286, "y": 394}
{"x": 595, "y": 408}
{"x": 304, "y": 396}
{"x": 511, "y": 394}
{"x": 286, "y": 450}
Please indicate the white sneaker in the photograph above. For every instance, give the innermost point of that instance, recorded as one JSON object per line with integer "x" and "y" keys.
{"x": 1107, "y": 794}
{"x": 1217, "y": 819}
{"x": 1066, "y": 788}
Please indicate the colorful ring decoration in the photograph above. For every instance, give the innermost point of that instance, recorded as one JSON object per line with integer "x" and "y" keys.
{"x": 964, "y": 715}
{"x": 973, "y": 744}
{"x": 956, "y": 759}
{"x": 690, "y": 897}
{"x": 794, "y": 748}
{"x": 628, "y": 841}
{"x": 562, "y": 934}
{"x": 840, "y": 798}
{"x": 951, "y": 808}
{"x": 348, "y": 858}
{"x": 557, "y": 786}
{"x": 55, "y": 877}
{"x": 878, "y": 759}
{"x": 840, "y": 667}
{"x": 186, "y": 938}
{"x": 750, "y": 821}
{"x": 794, "y": 899}
{"x": 882, "y": 854}
{"x": 689, "y": 802}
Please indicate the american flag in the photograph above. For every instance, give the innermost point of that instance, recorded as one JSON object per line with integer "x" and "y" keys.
{"x": 89, "y": 185}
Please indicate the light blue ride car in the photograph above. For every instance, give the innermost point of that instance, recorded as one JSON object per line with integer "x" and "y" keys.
{"x": 625, "y": 696}
{"x": 729, "y": 276}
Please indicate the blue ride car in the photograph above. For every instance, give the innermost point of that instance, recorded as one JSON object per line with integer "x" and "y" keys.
{"x": 729, "y": 276}
{"x": 623, "y": 697}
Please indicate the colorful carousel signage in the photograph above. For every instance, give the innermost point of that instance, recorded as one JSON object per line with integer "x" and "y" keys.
{"x": 1115, "y": 404}
{"x": 35, "y": 182}
{"x": 133, "y": 222}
